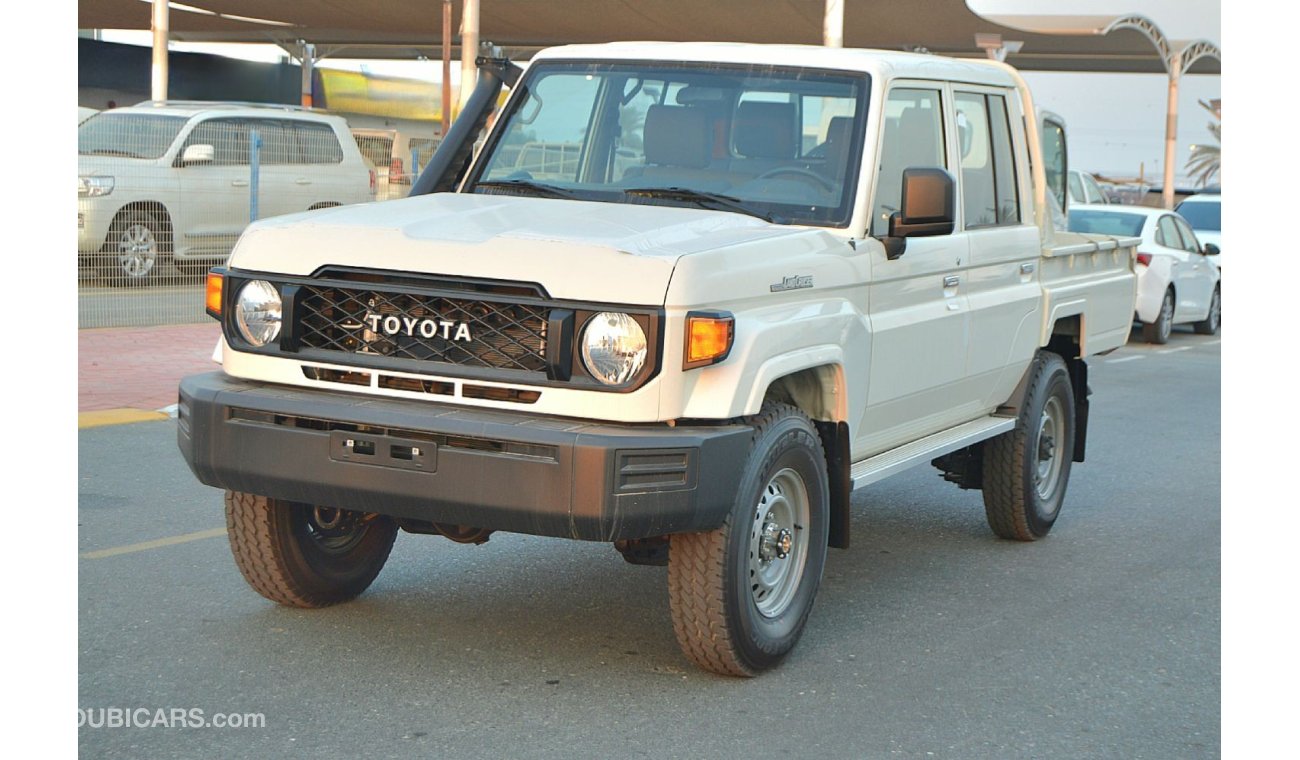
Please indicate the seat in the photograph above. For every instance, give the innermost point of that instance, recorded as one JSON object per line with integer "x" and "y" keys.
{"x": 765, "y": 137}
{"x": 678, "y": 150}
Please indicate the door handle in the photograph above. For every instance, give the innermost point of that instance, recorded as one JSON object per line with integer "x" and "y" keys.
{"x": 1027, "y": 267}
{"x": 302, "y": 181}
{"x": 951, "y": 281}
{"x": 239, "y": 183}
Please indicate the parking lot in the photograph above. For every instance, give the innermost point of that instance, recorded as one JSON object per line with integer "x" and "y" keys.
{"x": 930, "y": 638}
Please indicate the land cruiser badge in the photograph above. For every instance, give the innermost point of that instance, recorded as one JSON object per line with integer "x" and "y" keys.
{"x": 796, "y": 282}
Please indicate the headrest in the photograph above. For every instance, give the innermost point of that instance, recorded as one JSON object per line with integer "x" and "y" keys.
{"x": 837, "y": 144}
{"x": 765, "y": 130}
{"x": 677, "y": 136}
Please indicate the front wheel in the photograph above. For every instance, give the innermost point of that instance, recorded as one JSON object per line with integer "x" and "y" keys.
{"x": 1026, "y": 470}
{"x": 137, "y": 244}
{"x": 740, "y": 595}
{"x": 301, "y": 555}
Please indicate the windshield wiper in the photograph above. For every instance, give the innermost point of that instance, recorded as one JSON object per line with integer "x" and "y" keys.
{"x": 550, "y": 191}
{"x": 704, "y": 199}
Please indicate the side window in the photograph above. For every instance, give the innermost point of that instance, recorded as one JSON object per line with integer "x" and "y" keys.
{"x": 278, "y": 146}
{"x": 317, "y": 143}
{"x": 1076, "y": 189}
{"x": 228, "y": 138}
{"x": 378, "y": 149}
{"x": 1190, "y": 243}
{"x": 1167, "y": 233}
{"x": 988, "y": 174}
{"x": 1055, "y": 164}
{"x": 977, "y": 192}
{"x": 913, "y": 137}
{"x": 1093, "y": 190}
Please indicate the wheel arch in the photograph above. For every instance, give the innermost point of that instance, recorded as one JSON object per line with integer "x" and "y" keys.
{"x": 819, "y": 391}
{"x": 166, "y": 238}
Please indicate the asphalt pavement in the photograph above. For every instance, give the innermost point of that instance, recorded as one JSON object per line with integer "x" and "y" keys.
{"x": 930, "y": 637}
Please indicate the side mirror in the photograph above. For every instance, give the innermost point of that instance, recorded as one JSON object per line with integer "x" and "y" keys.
{"x": 1210, "y": 249}
{"x": 928, "y": 208}
{"x": 198, "y": 154}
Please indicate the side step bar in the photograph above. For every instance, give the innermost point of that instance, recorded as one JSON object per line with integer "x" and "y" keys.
{"x": 883, "y": 465}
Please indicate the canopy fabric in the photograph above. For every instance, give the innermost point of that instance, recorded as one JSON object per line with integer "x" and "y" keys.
{"x": 386, "y": 29}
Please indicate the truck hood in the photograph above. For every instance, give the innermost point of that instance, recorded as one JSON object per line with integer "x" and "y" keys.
{"x": 610, "y": 252}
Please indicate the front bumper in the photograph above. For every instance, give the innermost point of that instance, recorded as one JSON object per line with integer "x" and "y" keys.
{"x": 501, "y": 470}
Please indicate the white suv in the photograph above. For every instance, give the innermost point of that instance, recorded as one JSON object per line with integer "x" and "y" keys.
{"x": 173, "y": 180}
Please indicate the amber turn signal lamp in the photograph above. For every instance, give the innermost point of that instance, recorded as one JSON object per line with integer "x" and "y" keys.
{"x": 215, "y": 282}
{"x": 708, "y": 338}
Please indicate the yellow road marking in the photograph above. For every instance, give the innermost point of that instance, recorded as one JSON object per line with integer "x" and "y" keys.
{"x": 116, "y": 417}
{"x": 155, "y": 544}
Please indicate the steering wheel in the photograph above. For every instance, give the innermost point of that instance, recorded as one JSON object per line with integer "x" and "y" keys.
{"x": 798, "y": 172}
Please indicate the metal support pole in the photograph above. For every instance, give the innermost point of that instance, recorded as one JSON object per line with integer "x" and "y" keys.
{"x": 308, "y": 65}
{"x": 161, "y": 26}
{"x": 254, "y": 172}
{"x": 1171, "y": 133}
{"x": 468, "y": 49}
{"x": 446, "y": 67}
{"x": 833, "y": 24}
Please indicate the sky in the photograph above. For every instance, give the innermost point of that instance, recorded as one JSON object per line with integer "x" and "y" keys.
{"x": 1115, "y": 122}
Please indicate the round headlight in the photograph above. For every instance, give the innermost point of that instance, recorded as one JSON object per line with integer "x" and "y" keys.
{"x": 257, "y": 312}
{"x": 613, "y": 347}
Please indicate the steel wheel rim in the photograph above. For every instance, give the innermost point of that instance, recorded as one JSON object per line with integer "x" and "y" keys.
{"x": 1048, "y": 445}
{"x": 778, "y": 546}
{"x": 137, "y": 250}
{"x": 1167, "y": 316}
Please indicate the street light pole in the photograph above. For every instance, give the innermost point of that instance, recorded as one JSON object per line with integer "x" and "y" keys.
{"x": 446, "y": 66}
{"x": 468, "y": 49}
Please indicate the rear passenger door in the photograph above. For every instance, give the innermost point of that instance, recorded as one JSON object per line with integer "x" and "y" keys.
{"x": 1002, "y": 280}
{"x": 920, "y": 317}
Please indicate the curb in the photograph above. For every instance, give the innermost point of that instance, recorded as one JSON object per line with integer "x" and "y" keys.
{"x": 104, "y": 417}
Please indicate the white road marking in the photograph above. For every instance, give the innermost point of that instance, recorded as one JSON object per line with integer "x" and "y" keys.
{"x": 1124, "y": 359}
{"x": 156, "y": 544}
{"x": 1174, "y": 350}
{"x": 1212, "y": 342}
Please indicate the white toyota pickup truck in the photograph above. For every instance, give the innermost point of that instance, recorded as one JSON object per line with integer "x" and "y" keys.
{"x": 684, "y": 300}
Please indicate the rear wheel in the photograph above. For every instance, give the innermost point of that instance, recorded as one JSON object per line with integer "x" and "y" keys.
{"x": 1210, "y": 325}
{"x": 301, "y": 555}
{"x": 740, "y": 595}
{"x": 1027, "y": 469}
{"x": 1160, "y": 330}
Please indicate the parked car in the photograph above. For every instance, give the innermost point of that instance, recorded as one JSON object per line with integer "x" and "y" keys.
{"x": 1178, "y": 282}
{"x": 1084, "y": 189}
{"x": 399, "y": 156}
{"x": 171, "y": 180}
{"x": 1203, "y": 212}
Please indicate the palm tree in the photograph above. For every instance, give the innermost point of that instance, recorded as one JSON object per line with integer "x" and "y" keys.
{"x": 1205, "y": 159}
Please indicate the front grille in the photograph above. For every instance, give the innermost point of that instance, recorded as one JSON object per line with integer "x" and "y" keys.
{"x": 357, "y": 321}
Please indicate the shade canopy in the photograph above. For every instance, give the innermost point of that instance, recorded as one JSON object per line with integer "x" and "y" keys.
{"x": 387, "y": 29}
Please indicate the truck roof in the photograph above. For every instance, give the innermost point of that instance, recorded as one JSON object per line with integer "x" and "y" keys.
{"x": 881, "y": 64}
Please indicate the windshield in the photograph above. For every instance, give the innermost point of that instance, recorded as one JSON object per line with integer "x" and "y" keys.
{"x": 776, "y": 143}
{"x": 1107, "y": 223}
{"x": 132, "y": 135}
{"x": 1202, "y": 215}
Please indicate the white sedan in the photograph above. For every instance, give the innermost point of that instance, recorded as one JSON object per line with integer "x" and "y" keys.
{"x": 1178, "y": 283}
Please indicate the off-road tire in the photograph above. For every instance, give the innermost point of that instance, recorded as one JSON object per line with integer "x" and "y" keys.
{"x": 1015, "y": 506}
{"x": 715, "y": 615}
{"x": 1158, "y": 332}
{"x": 1210, "y": 325}
{"x": 280, "y": 559}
